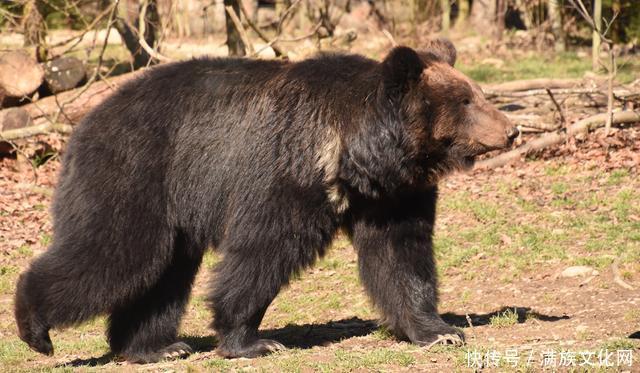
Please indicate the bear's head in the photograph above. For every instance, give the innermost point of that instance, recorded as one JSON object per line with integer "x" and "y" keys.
{"x": 430, "y": 119}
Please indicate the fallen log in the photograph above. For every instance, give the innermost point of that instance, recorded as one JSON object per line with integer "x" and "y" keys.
{"x": 77, "y": 102}
{"x": 581, "y": 126}
{"x": 530, "y": 84}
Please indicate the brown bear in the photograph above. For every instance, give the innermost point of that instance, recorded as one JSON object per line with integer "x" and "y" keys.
{"x": 262, "y": 161}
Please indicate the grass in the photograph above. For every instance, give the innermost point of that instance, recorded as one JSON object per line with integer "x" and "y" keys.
{"x": 540, "y": 65}
{"x": 504, "y": 319}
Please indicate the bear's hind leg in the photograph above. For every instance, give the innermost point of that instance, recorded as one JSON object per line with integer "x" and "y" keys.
{"x": 244, "y": 288}
{"x": 145, "y": 330}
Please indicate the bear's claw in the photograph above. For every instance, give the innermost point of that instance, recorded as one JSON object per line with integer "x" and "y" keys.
{"x": 446, "y": 339}
{"x": 260, "y": 347}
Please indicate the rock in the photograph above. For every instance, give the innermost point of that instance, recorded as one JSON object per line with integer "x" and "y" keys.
{"x": 577, "y": 271}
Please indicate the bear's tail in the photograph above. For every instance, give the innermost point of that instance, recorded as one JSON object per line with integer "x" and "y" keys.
{"x": 31, "y": 328}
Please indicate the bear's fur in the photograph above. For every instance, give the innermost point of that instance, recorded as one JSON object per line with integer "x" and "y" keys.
{"x": 263, "y": 161}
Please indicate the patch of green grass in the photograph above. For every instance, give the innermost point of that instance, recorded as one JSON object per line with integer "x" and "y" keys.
{"x": 620, "y": 344}
{"x": 8, "y": 276}
{"x": 372, "y": 359}
{"x": 45, "y": 239}
{"x": 617, "y": 176}
{"x": 218, "y": 364}
{"x": 13, "y": 352}
{"x": 504, "y": 319}
{"x": 536, "y": 65}
{"x": 24, "y": 251}
{"x": 382, "y": 333}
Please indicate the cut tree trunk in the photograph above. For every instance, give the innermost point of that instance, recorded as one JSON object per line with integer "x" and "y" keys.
{"x": 20, "y": 76}
{"x": 63, "y": 74}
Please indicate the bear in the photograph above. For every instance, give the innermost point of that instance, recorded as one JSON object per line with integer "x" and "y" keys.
{"x": 264, "y": 161}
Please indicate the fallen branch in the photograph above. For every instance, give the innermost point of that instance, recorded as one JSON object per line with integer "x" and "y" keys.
{"x": 39, "y": 129}
{"x": 582, "y": 126}
{"x": 616, "y": 275}
{"x": 563, "y": 121}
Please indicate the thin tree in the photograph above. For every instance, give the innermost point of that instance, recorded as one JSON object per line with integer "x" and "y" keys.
{"x": 446, "y": 16}
{"x": 149, "y": 24}
{"x": 463, "y": 13}
{"x": 234, "y": 40}
{"x": 597, "y": 28}
{"x": 555, "y": 16}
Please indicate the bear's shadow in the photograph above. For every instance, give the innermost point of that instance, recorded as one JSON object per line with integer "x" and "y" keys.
{"x": 312, "y": 335}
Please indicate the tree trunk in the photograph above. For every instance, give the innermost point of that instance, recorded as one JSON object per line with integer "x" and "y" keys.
{"x": 234, "y": 41}
{"x": 501, "y": 11}
{"x": 483, "y": 16}
{"x": 597, "y": 18}
{"x": 34, "y": 28}
{"x": 463, "y": 14}
{"x": 555, "y": 16}
{"x": 130, "y": 36}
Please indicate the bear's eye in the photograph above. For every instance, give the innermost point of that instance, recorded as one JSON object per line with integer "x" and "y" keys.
{"x": 466, "y": 102}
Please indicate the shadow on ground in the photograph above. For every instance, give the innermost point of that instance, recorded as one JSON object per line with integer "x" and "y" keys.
{"x": 524, "y": 313}
{"x": 312, "y": 335}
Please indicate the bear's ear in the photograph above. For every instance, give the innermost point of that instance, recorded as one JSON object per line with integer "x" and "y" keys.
{"x": 402, "y": 67}
{"x": 444, "y": 49}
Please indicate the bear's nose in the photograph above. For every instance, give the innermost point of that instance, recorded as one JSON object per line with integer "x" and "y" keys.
{"x": 512, "y": 133}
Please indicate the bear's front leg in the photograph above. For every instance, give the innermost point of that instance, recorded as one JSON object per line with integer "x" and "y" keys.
{"x": 395, "y": 259}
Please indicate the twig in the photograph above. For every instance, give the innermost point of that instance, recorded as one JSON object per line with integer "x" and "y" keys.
{"x": 259, "y": 32}
{"x": 241, "y": 30}
{"x": 96, "y": 73}
{"x": 19, "y": 151}
{"x": 141, "y": 39}
{"x": 281, "y": 21}
{"x": 560, "y": 112}
{"x": 38, "y": 129}
{"x": 388, "y": 35}
{"x": 473, "y": 331}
